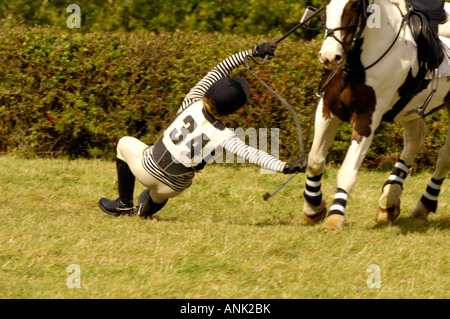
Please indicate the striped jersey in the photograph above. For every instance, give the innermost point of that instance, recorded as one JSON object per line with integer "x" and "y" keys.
{"x": 194, "y": 136}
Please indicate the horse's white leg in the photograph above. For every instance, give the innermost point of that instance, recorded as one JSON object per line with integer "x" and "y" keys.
{"x": 348, "y": 172}
{"x": 428, "y": 202}
{"x": 346, "y": 180}
{"x": 325, "y": 129}
{"x": 389, "y": 203}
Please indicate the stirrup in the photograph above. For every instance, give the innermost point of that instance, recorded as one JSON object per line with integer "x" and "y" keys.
{"x": 422, "y": 110}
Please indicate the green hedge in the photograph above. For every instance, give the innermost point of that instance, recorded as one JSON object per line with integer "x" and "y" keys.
{"x": 64, "y": 93}
{"x": 207, "y": 16}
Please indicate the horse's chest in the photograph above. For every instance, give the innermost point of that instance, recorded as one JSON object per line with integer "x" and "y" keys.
{"x": 351, "y": 101}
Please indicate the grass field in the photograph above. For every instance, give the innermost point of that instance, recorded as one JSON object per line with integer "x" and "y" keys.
{"x": 219, "y": 239}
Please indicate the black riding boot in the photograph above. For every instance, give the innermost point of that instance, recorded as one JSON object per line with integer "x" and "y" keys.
{"x": 125, "y": 179}
{"x": 146, "y": 207}
{"x": 123, "y": 204}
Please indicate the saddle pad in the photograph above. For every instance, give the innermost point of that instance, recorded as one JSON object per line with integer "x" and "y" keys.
{"x": 444, "y": 68}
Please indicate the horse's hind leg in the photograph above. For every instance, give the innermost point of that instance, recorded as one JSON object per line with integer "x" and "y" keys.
{"x": 389, "y": 203}
{"x": 428, "y": 202}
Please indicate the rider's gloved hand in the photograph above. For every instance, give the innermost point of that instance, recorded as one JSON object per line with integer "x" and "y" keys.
{"x": 295, "y": 167}
{"x": 267, "y": 48}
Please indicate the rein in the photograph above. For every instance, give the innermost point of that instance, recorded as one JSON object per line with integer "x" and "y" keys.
{"x": 308, "y": 15}
{"x": 298, "y": 126}
{"x": 404, "y": 19}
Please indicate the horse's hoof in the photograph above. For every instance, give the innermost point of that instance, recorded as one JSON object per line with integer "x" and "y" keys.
{"x": 389, "y": 203}
{"x": 388, "y": 215}
{"x": 314, "y": 219}
{"x": 314, "y": 214}
{"x": 334, "y": 222}
{"x": 420, "y": 212}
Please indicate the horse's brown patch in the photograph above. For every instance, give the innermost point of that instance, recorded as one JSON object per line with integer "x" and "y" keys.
{"x": 350, "y": 17}
{"x": 349, "y": 98}
{"x": 355, "y": 104}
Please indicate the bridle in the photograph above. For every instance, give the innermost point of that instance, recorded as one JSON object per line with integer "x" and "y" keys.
{"x": 358, "y": 26}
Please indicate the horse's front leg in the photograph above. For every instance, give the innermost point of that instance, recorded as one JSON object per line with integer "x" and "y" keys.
{"x": 389, "y": 203}
{"x": 325, "y": 129}
{"x": 364, "y": 126}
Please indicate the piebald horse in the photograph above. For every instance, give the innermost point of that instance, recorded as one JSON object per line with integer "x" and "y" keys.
{"x": 367, "y": 67}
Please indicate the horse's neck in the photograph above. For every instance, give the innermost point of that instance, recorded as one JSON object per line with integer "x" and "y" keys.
{"x": 379, "y": 35}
